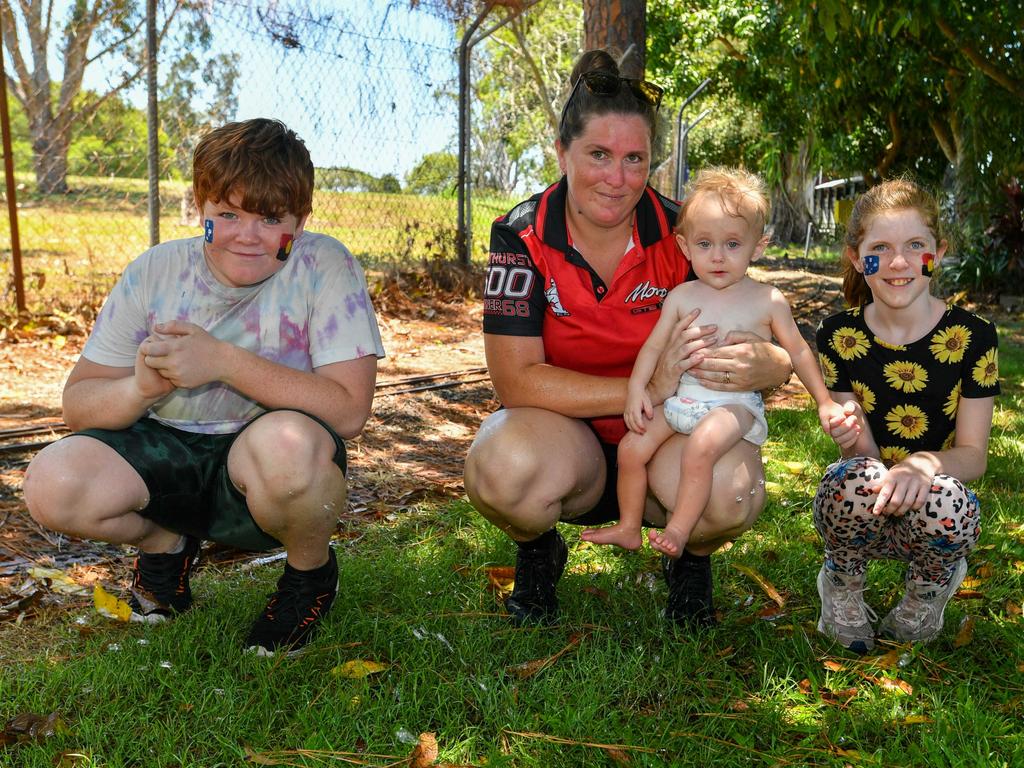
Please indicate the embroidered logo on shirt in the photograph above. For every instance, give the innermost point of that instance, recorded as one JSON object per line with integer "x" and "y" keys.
{"x": 645, "y": 291}
{"x": 551, "y": 294}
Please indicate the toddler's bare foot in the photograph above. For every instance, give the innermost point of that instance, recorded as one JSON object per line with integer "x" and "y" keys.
{"x": 618, "y": 534}
{"x": 668, "y": 541}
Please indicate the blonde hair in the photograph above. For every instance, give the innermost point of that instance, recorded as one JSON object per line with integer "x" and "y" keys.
{"x": 893, "y": 195}
{"x": 742, "y": 194}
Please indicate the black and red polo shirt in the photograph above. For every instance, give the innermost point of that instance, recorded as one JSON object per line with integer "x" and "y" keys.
{"x": 539, "y": 285}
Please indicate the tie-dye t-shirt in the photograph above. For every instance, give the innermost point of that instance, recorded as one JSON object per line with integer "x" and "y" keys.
{"x": 313, "y": 312}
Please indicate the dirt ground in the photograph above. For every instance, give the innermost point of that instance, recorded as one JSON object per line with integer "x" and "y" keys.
{"x": 411, "y": 450}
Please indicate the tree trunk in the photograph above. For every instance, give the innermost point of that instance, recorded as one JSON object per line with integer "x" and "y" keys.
{"x": 790, "y": 212}
{"x": 621, "y": 26}
{"x": 50, "y": 157}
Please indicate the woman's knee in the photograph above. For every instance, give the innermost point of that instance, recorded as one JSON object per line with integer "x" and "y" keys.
{"x": 525, "y": 464}
{"x": 501, "y": 470}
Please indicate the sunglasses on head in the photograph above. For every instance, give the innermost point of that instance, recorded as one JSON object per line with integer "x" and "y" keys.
{"x": 607, "y": 84}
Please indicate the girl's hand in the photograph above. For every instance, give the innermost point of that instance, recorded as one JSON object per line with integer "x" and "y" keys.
{"x": 846, "y": 425}
{"x": 684, "y": 351}
{"x": 906, "y": 486}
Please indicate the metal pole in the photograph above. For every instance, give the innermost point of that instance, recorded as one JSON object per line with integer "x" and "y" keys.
{"x": 12, "y": 203}
{"x": 153, "y": 125}
{"x": 680, "y": 138}
{"x": 684, "y": 148}
{"x": 464, "y": 227}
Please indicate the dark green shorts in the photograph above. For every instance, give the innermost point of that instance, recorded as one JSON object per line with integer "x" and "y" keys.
{"x": 187, "y": 477}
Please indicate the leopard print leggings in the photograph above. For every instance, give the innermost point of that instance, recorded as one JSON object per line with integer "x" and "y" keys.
{"x": 930, "y": 539}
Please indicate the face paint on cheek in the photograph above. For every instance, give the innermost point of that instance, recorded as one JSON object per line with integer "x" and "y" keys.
{"x": 208, "y": 230}
{"x": 870, "y": 265}
{"x": 286, "y": 248}
{"x": 927, "y": 264}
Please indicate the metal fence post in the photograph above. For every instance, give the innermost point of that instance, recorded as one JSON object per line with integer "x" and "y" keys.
{"x": 153, "y": 125}
{"x": 681, "y": 169}
{"x": 12, "y": 204}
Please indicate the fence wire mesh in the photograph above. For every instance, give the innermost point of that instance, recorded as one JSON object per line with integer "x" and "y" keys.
{"x": 370, "y": 87}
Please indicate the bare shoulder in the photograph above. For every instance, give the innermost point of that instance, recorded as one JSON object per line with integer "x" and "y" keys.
{"x": 683, "y": 297}
{"x": 763, "y": 295}
{"x": 774, "y": 295}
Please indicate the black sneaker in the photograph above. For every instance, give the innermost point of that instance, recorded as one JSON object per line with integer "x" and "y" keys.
{"x": 160, "y": 587}
{"x": 533, "y": 598}
{"x": 294, "y": 610}
{"x": 690, "y": 603}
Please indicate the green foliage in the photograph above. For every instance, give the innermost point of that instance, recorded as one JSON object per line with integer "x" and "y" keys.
{"x": 996, "y": 264}
{"x": 195, "y": 98}
{"x": 83, "y": 34}
{"x": 932, "y": 89}
{"x": 521, "y": 75}
{"x": 388, "y": 183}
{"x": 434, "y": 174}
{"x": 345, "y": 179}
{"x": 1005, "y": 235}
{"x": 111, "y": 141}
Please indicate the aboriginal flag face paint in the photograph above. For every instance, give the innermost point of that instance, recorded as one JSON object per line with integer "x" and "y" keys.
{"x": 870, "y": 264}
{"x": 286, "y": 248}
{"x": 208, "y": 230}
{"x": 927, "y": 264}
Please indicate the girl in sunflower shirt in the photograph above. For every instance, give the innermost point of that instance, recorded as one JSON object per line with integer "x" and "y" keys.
{"x": 919, "y": 379}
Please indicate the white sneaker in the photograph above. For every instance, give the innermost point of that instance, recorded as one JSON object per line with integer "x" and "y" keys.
{"x": 844, "y": 614}
{"x": 919, "y": 618}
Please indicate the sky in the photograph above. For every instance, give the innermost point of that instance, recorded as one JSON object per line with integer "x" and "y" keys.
{"x": 369, "y": 86}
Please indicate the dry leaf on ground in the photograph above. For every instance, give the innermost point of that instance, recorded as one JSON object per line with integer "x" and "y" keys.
{"x": 424, "y": 754}
{"x": 763, "y": 583}
{"x": 358, "y": 668}
{"x": 110, "y": 606}
{"x": 965, "y": 633}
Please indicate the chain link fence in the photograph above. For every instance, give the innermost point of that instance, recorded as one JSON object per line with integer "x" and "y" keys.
{"x": 370, "y": 87}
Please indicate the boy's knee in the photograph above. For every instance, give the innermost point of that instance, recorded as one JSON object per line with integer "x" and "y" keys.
{"x": 288, "y": 448}
{"x": 48, "y": 491}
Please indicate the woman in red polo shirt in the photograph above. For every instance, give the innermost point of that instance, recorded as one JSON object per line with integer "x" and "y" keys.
{"x": 575, "y": 283}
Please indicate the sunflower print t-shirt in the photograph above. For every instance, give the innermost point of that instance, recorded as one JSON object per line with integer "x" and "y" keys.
{"x": 910, "y": 392}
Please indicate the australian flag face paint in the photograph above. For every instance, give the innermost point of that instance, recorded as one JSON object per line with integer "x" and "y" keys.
{"x": 208, "y": 230}
{"x": 870, "y": 264}
{"x": 927, "y": 264}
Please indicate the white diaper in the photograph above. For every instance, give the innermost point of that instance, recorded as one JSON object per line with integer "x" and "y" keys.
{"x": 692, "y": 402}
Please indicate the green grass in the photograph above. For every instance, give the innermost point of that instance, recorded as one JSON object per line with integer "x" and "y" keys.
{"x": 761, "y": 689}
